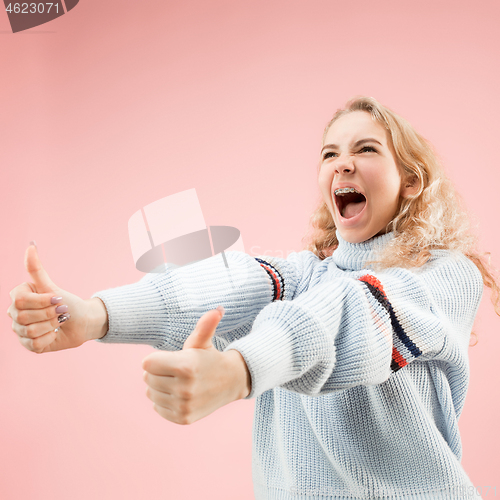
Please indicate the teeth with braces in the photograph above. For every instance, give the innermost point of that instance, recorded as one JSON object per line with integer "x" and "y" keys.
{"x": 343, "y": 191}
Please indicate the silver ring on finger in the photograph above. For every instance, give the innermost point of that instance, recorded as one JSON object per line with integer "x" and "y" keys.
{"x": 63, "y": 317}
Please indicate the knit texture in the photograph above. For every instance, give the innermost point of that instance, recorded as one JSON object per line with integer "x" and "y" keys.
{"x": 359, "y": 376}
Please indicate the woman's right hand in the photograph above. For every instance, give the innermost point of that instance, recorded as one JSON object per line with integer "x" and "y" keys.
{"x": 35, "y": 320}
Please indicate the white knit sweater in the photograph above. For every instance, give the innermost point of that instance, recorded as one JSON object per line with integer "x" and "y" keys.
{"x": 360, "y": 376}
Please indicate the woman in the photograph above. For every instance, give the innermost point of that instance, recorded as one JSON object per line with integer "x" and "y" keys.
{"x": 356, "y": 349}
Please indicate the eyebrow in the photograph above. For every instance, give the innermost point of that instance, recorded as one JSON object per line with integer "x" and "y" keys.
{"x": 356, "y": 144}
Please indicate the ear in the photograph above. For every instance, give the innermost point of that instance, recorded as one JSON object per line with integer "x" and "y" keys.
{"x": 410, "y": 187}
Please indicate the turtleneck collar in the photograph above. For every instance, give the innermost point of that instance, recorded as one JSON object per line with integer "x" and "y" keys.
{"x": 352, "y": 256}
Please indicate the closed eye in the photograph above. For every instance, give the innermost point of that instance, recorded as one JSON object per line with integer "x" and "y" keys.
{"x": 368, "y": 148}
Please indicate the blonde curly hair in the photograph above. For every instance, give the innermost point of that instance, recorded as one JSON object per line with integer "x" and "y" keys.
{"x": 433, "y": 218}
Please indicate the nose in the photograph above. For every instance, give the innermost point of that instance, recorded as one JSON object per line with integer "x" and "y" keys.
{"x": 344, "y": 165}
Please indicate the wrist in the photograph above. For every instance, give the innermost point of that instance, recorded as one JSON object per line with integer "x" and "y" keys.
{"x": 242, "y": 374}
{"x": 97, "y": 319}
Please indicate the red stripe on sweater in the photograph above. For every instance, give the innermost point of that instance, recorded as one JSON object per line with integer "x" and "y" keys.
{"x": 396, "y": 356}
{"x": 368, "y": 278}
{"x": 276, "y": 281}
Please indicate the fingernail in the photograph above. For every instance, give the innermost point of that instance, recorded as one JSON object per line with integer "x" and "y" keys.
{"x": 63, "y": 317}
{"x": 33, "y": 242}
{"x": 55, "y": 300}
{"x": 61, "y": 309}
{"x": 221, "y": 310}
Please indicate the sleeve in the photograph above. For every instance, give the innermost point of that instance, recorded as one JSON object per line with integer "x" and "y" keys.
{"x": 162, "y": 309}
{"x": 348, "y": 332}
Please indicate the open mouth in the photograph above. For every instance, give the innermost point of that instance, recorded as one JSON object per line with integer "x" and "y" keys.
{"x": 350, "y": 202}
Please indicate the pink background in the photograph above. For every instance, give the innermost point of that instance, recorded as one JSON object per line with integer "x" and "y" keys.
{"x": 118, "y": 104}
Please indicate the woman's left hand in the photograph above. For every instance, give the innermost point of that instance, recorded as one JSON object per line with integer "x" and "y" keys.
{"x": 187, "y": 385}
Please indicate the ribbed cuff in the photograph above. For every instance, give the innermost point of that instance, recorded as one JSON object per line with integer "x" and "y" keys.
{"x": 265, "y": 354}
{"x": 136, "y": 314}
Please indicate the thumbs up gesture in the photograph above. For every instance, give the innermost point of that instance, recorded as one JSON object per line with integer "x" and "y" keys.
{"x": 187, "y": 385}
{"x": 47, "y": 318}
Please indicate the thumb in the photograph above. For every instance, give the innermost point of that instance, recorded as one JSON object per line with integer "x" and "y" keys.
{"x": 201, "y": 338}
{"x": 35, "y": 269}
